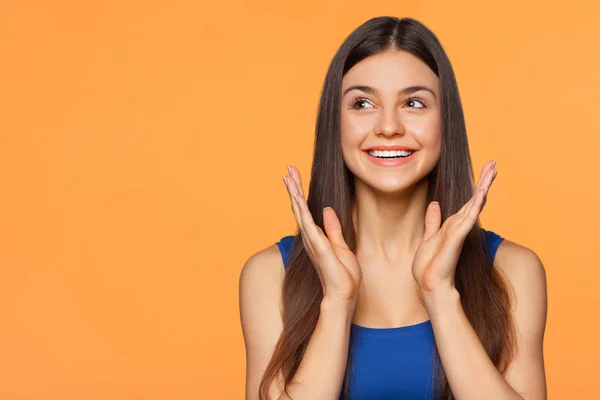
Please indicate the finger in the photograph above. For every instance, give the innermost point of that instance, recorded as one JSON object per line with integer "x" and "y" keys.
{"x": 479, "y": 200}
{"x": 295, "y": 174}
{"x": 305, "y": 237}
{"x": 486, "y": 167}
{"x": 314, "y": 234}
{"x": 485, "y": 196}
{"x": 297, "y": 201}
{"x": 486, "y": 180}
{"x": 293, "y": 186}
{"x": 291, "y": 192}
{"x": 470, "y": 219}
{"x": 467, "y": 206}
{"x": 310, "y": 252}
{"x": 316, "y": 255}
{"x": 333, "y": 228}
{"x": 433, "y": 219}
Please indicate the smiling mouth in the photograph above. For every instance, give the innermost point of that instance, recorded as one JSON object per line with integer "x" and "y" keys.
{"x": 390, "y": 154}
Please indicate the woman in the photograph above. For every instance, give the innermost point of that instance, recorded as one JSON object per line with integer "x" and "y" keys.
{"x": 391, "y": 289}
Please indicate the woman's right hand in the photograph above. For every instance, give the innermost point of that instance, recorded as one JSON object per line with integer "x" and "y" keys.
{"x": 336, "y": 265}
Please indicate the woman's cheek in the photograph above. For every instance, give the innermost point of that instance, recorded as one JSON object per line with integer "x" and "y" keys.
{"x": 355, "y": 129}
{"x": 427, "y": 133}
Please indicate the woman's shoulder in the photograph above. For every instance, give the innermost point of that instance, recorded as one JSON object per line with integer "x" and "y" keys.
{"x": 260, "y": 284}
{"x": 510, "y": 255}
{"x": 521, "y": 266}
{"x": 264, "y": 268}
{"x": 528, "y": 294}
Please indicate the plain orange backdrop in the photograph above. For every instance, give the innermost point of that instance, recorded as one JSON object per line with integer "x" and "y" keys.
{"x": 142, "y": 146}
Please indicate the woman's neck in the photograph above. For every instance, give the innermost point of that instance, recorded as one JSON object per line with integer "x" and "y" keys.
{"x": 389, "y": 226}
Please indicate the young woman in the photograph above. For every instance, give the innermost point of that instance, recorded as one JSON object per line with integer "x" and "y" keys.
{"x": 391, "y": 289}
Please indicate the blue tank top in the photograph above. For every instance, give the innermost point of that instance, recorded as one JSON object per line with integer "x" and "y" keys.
{"x": 391, "y": 363}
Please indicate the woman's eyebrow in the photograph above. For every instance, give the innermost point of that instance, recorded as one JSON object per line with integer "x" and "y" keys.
{"x": 406, "y": 91}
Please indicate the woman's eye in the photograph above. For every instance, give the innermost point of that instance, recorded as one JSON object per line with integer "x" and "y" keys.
{"x": 363, "y": 104}
{"x": 411, "y": 103}
{"x": 358, "y": 102}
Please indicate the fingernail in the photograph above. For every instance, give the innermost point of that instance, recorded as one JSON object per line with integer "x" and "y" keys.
{"x": 495, "y": 173}
{"x": 493, "y": 163}
{"x": 285, "y": 181}
{"x": 289, "y": 170}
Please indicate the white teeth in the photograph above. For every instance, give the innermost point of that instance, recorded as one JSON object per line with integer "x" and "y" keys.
{"x": 392, "y": 153}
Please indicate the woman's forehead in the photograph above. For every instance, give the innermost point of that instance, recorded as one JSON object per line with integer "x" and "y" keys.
{"x": 390, "y": 71}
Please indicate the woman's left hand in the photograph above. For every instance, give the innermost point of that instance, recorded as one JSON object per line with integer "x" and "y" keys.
{"x": 434, "y": 264}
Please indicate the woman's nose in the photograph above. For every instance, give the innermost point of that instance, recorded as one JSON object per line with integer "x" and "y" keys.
{"x": 389, "y": 124}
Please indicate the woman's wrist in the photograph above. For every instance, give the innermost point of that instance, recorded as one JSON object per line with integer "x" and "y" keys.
{"x": 338, "y": 307}
{"x": 440, "y": 300}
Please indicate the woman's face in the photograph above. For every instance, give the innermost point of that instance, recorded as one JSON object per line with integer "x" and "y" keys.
{"x": 389, "y": 101}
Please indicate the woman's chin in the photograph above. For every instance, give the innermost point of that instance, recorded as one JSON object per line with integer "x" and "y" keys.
{"x": 388, "y": 184}
{"x": 391, "y": 188}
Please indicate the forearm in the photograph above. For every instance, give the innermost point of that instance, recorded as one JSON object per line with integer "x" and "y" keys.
{"x": 470, "y": 372}
{"x": 321, "y": 371}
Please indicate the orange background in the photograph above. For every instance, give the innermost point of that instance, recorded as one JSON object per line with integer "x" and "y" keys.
{"x": 141, "y": 156}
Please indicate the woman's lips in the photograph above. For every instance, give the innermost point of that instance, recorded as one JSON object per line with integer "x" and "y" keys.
{"x": 390, "y": 162}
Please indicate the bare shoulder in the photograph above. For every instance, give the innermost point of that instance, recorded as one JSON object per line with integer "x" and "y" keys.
{"x": 260, "y": 285}
{"x": 526, "y": 274}
{"x": 263, "y": 270}
{"x": 520, "y": 264}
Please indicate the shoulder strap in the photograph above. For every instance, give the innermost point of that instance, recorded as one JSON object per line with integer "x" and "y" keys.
{"x": 285, "y": 247}
{"x": 493, "y": 240}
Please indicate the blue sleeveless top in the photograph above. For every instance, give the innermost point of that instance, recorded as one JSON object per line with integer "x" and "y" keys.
{"x": 392, "y": 363}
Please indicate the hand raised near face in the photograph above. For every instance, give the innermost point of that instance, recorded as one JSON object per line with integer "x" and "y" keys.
{"x": 434, "y": 264}
{"x": 336, "y": 265}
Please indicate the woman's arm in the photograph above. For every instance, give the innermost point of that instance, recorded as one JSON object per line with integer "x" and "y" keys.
{"x": 260, "y": 286}
{"x": 321, "y": 371}
{"x": 471, "y": 374}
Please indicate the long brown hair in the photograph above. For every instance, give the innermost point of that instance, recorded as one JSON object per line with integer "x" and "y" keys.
{"x": 483, "y": 291}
